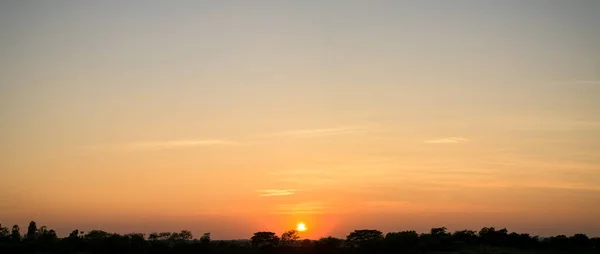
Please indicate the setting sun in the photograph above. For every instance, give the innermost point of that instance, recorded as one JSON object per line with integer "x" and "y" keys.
{"x": 301, "y": 227}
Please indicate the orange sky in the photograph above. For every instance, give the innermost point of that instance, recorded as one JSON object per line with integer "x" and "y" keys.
{"x": 234, "y": 118}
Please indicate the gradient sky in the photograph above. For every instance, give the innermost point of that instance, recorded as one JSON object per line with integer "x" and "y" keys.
{"x": 232, "y": 117}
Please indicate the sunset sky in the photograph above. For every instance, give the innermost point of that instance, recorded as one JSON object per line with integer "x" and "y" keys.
{"x": 233, "y": 117}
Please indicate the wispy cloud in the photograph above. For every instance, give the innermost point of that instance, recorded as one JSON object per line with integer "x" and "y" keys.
{"x": 178, "y": 144}
{"x": 312, "y": 133}
{"x": 189, "y": 143}
{"x": 450, "y": 140}
{"x": 276, "y": 192}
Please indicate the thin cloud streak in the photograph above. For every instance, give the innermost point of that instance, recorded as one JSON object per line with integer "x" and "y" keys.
{"x": 312, "y": 133}
{"x": 275, "y": 192}
{"x": 450, "y": 140}
{"x": 178, "y": 144}
{"x": 188, "y": 143}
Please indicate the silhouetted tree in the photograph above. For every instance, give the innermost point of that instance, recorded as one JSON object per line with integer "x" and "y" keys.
{"x": 74, "y": 234}
{"x": 437, "y": 239}
{"x": 402, "y": 240}
{"x": 32, "y": 231}
{"x": 491, "y": 236}
{"x": 264, "y": 239}
{"x": 205, "y": 239}
{"x": 137, "y": 241}
{"x": 559, "y": 242}
{"x": 153, "y": 236}
{"x": 42, "y": 230}
{"x": 364, "y": 238}
{"x": 306, "y": 243}
{"x": 184, "y": 235}
{"x": 289, "y": 238}
{"x": 439, "y": 231}
{"x": 136, "y": 236}
{"x": 43, "y": 234}
{"x": 4, "y": 233}
{"x": 328, "y": 243}
{"x": 97, "y": 235}
{"x": 365, "y": 241}
{"x": 164, "y": 235}
{"x": 581, "y": 240}
{"x": 468, "y": 237}
{"x": 15, "y": 233}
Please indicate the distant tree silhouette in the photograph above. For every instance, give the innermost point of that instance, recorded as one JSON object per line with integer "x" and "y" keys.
{"x": 306, "y": 243}
{"x": 491, "y": 236}
{"x": 97, "y": 235}
{"x": 289, "y": 238}
{"x": 184, "y": 235}
{"x": 75, "y": 234}
{"x": 264, "y": 239}
{"x": 329, "y": 243}
{"x": 31, "y": 231}
{"x": 402, "y": 240}
{"x": 364, "y": 238}
{"x": 580, "y": 240}
{"x": 465, "y": 237}
{"x": 4, "y": 233}
{"x": 437, "y": 240}
{"x": 45, "y": 235}
{"x": 205, "y": 239}
{"x": 136, "y": 235}
{"x": 439, "y": 231}
{"x": 15, "y": 233}
{"x": 153, "y": 236}
{"x": 42, "y": 230}
{"x": 137, "y": 241}
{"x": 164, "y": 235}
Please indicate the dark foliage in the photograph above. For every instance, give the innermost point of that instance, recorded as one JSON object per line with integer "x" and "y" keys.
{"x": 438, "y": 240}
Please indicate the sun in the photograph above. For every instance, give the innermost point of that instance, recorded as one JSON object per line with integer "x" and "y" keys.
{"x": 301, "y": 227}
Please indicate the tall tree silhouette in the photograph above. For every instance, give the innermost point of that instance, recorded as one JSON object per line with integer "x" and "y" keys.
{"x": 32, "y": 231}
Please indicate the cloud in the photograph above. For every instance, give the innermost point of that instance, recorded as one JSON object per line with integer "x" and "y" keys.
{"x": 178, "y": 144}
{"x": 312, "y": 133}
{"x": 450, "y": 140}
{"x": 275, "y": 192}
{"x": 187, "y": 143}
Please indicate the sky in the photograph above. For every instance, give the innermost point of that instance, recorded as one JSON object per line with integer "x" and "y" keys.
{"x": 233, "y": 117}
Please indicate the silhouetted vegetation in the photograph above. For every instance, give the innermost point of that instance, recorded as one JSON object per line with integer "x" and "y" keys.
{"x": 438, "y": 240}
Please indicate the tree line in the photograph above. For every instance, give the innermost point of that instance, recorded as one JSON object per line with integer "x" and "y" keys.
{"x": 486, "y": 240}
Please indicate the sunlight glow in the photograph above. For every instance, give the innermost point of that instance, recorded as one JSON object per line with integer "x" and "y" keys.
{"x": 301, "y": 227}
